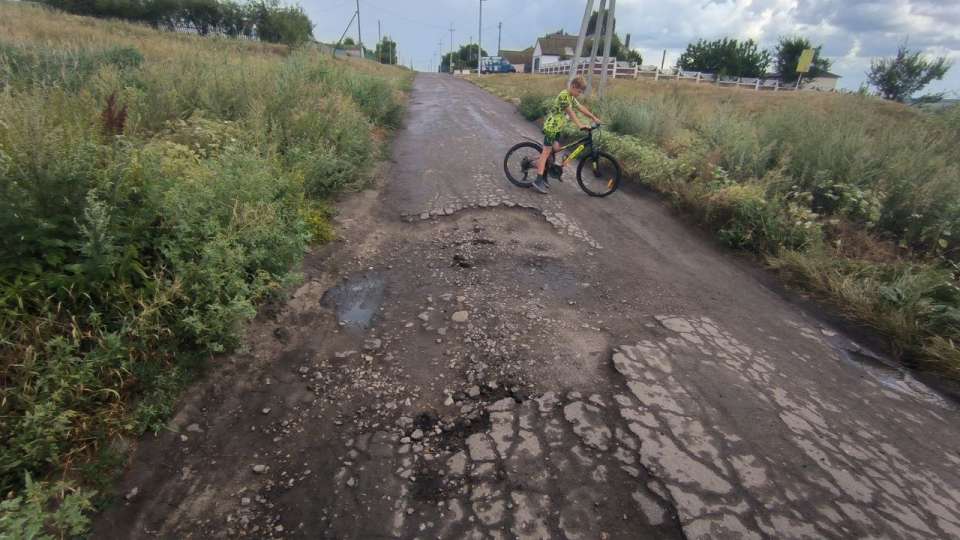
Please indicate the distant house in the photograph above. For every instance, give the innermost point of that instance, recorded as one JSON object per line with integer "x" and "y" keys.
{"x": 553, "y": 48}
{"x": 352, "y": 50}
{"x": 825, "y": 82}
{"x": 521, "y": 60}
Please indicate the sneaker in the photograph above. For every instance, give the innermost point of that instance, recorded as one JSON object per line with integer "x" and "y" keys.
{"x": 556, "y": 171}
{"x": 540, "y": 185}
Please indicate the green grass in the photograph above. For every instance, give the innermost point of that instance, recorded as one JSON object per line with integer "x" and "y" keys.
{"x": 850, "y": 197}
{"x": 154, "y": 189}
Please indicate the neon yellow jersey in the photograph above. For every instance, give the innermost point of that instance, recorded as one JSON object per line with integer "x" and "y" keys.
{"x": 557, "y": 117}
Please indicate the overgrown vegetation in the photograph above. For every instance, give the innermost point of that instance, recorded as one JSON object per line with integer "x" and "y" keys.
{"x": 854, "y": 198}
{"x": 902, "y": 76}
{"x": 267, "y": 20}
{"x": 726, "y": 57}
{"x": 154, "y": 188}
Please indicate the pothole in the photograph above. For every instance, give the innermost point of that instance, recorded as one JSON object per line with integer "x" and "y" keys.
{"x": 356, "y": 301}
{"x": 561, "y": 223}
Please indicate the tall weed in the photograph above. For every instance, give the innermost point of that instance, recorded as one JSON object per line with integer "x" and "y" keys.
{"x": 655, "y": 120}
{"x": 135, "y": 244}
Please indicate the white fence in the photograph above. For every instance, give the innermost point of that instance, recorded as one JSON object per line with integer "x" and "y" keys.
{"x": 626, "y": 70}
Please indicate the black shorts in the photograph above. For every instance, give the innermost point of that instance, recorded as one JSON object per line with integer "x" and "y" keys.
{"x": 548, "y": 140}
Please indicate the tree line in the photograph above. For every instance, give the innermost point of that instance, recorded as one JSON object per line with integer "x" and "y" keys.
{"x": 266, "y": 20}
{"x": 728, "y": 57}
{"x": 897, "y": 78}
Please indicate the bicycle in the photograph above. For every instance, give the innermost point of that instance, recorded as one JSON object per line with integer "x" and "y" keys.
{"x": 602, "y": 179}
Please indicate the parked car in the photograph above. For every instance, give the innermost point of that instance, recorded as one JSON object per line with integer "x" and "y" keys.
{"x": 496, "y": 64}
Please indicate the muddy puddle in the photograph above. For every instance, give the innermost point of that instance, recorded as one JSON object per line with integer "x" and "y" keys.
{"x": 889, "y": 374}
{"x": 548, "y": 273}
{"x": 356, "y": 300}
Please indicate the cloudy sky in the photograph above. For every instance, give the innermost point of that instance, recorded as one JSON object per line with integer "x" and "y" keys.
{"x": 852, "y": 31}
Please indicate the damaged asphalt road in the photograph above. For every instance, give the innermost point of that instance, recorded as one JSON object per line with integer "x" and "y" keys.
{"x": 472, "y": 360}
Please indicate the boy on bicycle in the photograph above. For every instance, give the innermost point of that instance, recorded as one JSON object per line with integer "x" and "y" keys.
{"x": 563, "y": 107}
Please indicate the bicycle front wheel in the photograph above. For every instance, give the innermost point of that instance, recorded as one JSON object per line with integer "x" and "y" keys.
{"x": 598, "y": 174}
{"x": 520, "y": 163}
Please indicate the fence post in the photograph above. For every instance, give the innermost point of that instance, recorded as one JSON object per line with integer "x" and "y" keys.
{"x": 678, "y": 74}
{"x": 699, "y": 76}
{"x": 656, "y": 74}
{"x": 757, "y": 85}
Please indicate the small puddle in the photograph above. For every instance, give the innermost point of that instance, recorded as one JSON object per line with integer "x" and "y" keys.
{"x": 549, "y": 274}
{"x": 889, "y": 374}
{"x": 356, "y": 300}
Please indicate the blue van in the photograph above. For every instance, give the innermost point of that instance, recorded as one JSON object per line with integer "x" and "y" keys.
{"x": 496, "y": 64}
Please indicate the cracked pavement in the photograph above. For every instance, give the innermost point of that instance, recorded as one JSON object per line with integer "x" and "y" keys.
{"x": 472, "y": 360}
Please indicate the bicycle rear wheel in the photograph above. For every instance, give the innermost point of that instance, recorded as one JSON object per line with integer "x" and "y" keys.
{"x": 520, "y": 163}
{"x": 598, "y": 174}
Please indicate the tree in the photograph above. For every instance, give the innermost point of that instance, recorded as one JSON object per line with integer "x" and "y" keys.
{"x": 274, "y": 22}
{"x": 617, "y": 50}
{"x": 349, "y": 42}
{"x": 282, "y": 24}
{"x": 787, "y": 55}
{"x": 592, "y": 24}
{"x": 386, "y": 51}
{"x": 465, "y": 58}
{"x": 726, "y": 57}
{"x": 900, "y": 77}
{"x": 202, "y": 14}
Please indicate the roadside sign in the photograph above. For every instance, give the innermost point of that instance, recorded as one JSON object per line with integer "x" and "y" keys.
{"x": 806, "y": 58}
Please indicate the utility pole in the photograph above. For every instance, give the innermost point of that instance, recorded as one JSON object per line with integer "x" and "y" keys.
{"x": 451, "y": 48}
{"x": 663, "y": 59}
{"x": 499, "y": 34}
{"x": 595, "y": 43}
{"x": 480, "y": 38}
{"x": 583, "y": 35}
{"x": 606, "y": 47}
{"x": 359, "y": 35}
{"x": 379, "y": 38}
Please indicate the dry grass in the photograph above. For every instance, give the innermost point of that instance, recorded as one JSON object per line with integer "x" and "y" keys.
{"x": 703, "y": 98}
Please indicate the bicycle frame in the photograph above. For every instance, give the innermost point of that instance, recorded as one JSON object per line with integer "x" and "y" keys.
{"x": 581, "y": 145}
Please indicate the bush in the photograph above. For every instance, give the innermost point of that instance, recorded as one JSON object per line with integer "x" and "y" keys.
{"x": 28, "y": 515}
{"x": 534, "y": 106}
{"x": 918, "y": 306}
{"x": 375, "y": 98}
{"x": 134, "y": 246}
{"x": 734, "y": 144}
{"x": 654, "y": 120}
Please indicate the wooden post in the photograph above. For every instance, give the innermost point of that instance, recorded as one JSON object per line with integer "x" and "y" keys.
{"x": 594, "y": 45}
{"x": 611, "y": 18}
{"x": 757, "y": 86}
{"x": 699, "y": 75}
{"x": 575, "y": 68}
{"x": 656, "y": 74}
